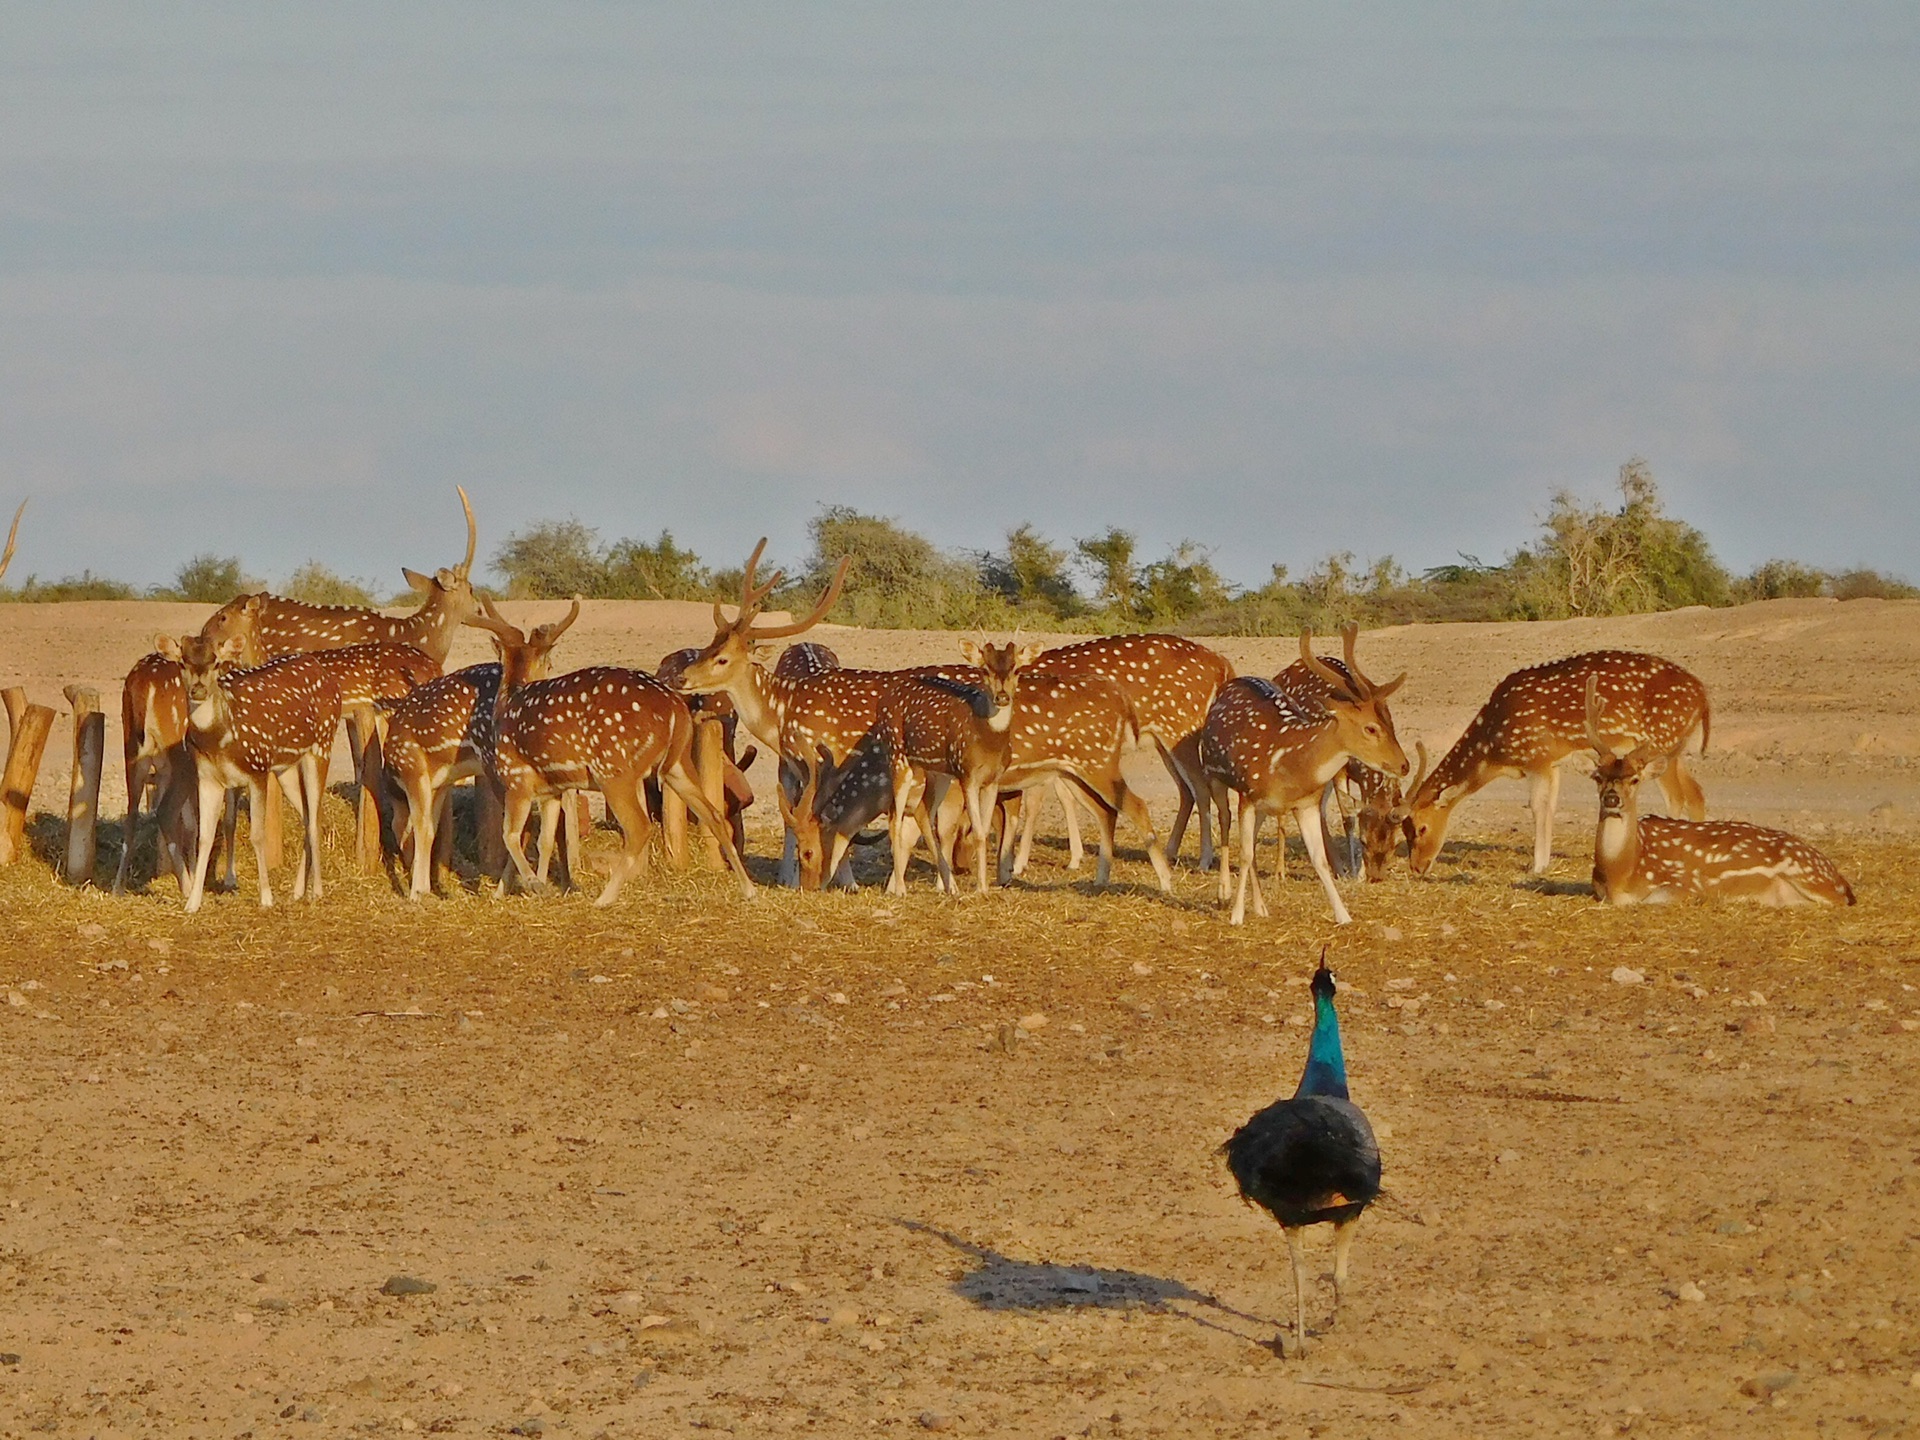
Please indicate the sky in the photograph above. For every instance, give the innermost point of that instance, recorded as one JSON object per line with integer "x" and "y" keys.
{"x": 1281, "y": 280}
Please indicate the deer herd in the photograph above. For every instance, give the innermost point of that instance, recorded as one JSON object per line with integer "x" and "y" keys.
{"x": 942, "y": 754}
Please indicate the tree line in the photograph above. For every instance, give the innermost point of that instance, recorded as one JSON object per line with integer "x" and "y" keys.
{"x": 1612, "y": 558}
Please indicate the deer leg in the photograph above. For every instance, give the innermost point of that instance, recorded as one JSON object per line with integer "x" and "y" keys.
{"x": 550, "y": 809}
{"x": 1135, "y": 809}
{"x": 688, "y": 789}
{"x": 256, "y": 801}
{"x": 210, "y": 792}
{"x": 1013, "y": 818}
{"x": 519, "y": 802}
{"x": 981, "y": 799}
{"x": 1317, "y": 853}
{"x": 1029, "y": 815}
{"x": 137, "y": 773}
{"x": 629, "y": 808}
{"x": 1543, "y": 792}
{"x": 229, "y": 828}
{"x": 904, "y": 801}
{"x": 1249, "y": 834}
{"x": 1223, "y": 808}
{"x": 423, "y": 830}
{"x": 1070, "y": 811}
{"x": 1683, "y": 792}
{"x": 310, "y": 785}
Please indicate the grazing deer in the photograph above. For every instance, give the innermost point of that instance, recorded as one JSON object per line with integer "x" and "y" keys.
{"x": 1169, "y": 681}
{"x": 834, "y": 804}
{"x": 1380, "y": 812}
{"x": 1278, "y": 752}
{"x": 13, "y": 535}
{"x": 276, "y": 626}
{"x": 1656, "y": 858}
{"x": 602, "y": 728}
{"x": 958, "y": 728}
{"x": 249, "y": 727}
{"x": 1536, "y": 717}
{"x": 1076, "y": 728}
{"x": 153, "y": 729}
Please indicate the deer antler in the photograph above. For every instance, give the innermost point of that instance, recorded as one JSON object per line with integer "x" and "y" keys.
{"x": 12, "y": 535}
{"x": 831, "y": 594}
{"x": 752, "y": 597}
{"x": 1600, "y": 747}
{"x": 465, "y": 567}
{"x": 547, "y": 634}
{"x": 1343, "y": 688}
{"x": 492, "y": 619}
{"x": 1402, "y": 810}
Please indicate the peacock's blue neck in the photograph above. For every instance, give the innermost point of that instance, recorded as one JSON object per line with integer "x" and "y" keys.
{"x": 1326, "y": 1072}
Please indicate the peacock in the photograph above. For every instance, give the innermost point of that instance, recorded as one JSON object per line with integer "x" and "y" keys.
{"x": 1311, "y": 1159}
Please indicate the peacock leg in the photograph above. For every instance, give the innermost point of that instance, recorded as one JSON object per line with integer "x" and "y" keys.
{"x": 1299, "y": 1294}
{"x": 1342, "y": 1248}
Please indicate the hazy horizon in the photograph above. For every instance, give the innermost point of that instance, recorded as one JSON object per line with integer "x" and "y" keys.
{"x": 272, "y": 282}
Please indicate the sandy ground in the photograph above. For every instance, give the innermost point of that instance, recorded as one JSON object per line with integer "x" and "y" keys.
{"x": 844, "y": 1164}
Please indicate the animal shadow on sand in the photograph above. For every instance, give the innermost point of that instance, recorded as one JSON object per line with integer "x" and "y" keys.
{"x": 999, "y": 1282}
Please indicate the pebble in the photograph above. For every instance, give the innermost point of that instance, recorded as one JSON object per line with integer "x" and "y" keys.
{"x": 1033, "y": 1022}
{"x": 1507, "y": 1157}
{"x": 160, "y": 947}
{"x": 844, "y": 1318}
{"x": 1691, "y": 1293}
{"x": 934, "y": 1420}
{"x": 627, "y": 1302}
{"x": 92, "y": 930}
{"x": 1626, "y": 975}
{"x": 1761, "y": 1386}
{"x": 407, "y": 1285}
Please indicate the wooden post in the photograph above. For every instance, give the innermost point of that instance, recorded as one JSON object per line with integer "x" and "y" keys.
{"x": 83, "y": 796}
{"x": 489, "y": 814}
{"x": 267, "y": 829}
{"x": 710, "y": 766}
{"x": 673, "y": 824}
{"x": 30, "y": 725}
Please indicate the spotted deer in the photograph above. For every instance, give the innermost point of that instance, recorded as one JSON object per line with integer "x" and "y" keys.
{"x": 273, "y": 625}
{"x": 1536, "y": 717}
{"x": 1277, "y": 752}
{"x": 251, "y": 727}
{"x": 1372, "y": 805}
{"x": 1169, "y": 681}
{"x": 959, "y": 728}
{"x": 13, "y": 536}
{"x": 834, "y": 803}
{"x": 734, "y": 785}
{"x": 601, "y": 728}
{"x": 1651, "y": 859}
{"x": 442, "y": 734}
{"x": 794, "y": 715}
{"x": 1075, "y": 728}
{"x": 153, "y": 729}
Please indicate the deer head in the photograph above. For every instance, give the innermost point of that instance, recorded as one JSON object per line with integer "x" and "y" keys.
{"x": 1617, "y": 776}
{"x": 452, "y": 585}
{"x": 523, "y": 657}
{"x": 729, "y": 657}
{"x": 1359, "y": 707}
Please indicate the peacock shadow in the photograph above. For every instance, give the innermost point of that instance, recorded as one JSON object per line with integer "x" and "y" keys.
{"x": 999, "y": 1282}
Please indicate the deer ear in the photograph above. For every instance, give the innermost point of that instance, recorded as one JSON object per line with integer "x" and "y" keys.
{"x": 971, "y": 650}
{"x": 763, "y": 654}
{"x": 1027, "y": 655}
{"x": 167, "y": 645}
{"x": 1645, "y": 766}
{"x": 231, "y": 649}
{"x": 422, "y": 583}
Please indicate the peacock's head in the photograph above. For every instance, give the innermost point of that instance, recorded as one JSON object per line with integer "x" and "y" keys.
{"x": 1323, "y": 978}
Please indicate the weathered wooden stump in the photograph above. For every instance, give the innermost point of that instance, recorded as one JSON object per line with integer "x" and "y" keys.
{"x": 83, "y": 794}
{"x": 29, "y": 726}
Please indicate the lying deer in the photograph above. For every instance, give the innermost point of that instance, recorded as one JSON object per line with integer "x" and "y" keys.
{"x": 1278, "y": 752}
{"x": 1655, "y": 858}
{"x": 601, "y": 728}
{"x": 1535, "y": 718}
{"x": 274, "y": 722}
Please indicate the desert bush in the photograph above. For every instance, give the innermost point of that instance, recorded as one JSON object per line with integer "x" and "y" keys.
{"x": 208, "y": 580}
{"x": 1869, "y": 585}
{"x": 84, "y": 586}
{"x": 551, "y": 560}
{"x": 635, "y": 570}
{"x": 314, "y": 584}
{"x": 897, "y": 579}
